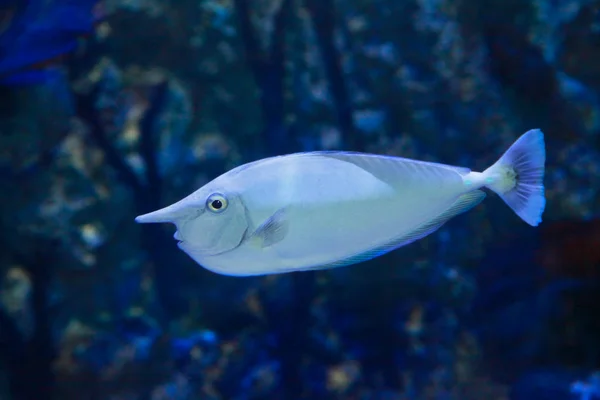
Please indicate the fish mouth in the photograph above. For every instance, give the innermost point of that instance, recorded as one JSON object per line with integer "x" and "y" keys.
{"x": 178, "y": 237}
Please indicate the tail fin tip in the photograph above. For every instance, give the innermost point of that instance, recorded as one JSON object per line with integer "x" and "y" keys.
{"x": 519, "y": 176}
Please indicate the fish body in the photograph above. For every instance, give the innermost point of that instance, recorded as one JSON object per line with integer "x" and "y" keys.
{"x": 321, "y": 210}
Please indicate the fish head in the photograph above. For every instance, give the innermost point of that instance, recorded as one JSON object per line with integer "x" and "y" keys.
{"x": 209, "y": 222}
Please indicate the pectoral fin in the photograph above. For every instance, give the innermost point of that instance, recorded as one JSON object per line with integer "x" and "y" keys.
{"x": 271, "y": 231}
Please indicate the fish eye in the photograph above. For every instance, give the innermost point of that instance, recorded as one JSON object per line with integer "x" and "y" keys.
{"x": 216, "y": 203}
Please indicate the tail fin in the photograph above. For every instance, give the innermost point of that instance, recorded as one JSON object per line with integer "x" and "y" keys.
{"x": 517, "y": 177}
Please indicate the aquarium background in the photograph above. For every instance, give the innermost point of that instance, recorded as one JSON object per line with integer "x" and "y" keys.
{"x": 110, "y": 109}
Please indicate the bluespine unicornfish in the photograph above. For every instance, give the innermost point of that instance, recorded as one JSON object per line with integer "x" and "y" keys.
{"x": 328, "y": 209}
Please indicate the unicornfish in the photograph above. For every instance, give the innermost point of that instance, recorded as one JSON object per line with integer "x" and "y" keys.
{"x": 325, "y": 209}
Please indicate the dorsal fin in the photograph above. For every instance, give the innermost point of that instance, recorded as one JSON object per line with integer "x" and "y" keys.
{"x": 388, "y": 168}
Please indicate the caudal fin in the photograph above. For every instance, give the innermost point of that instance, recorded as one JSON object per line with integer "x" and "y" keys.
{"x": 518, "y": 177}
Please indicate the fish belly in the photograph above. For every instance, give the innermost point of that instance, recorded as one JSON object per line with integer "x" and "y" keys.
{"x": 336, "y": 209}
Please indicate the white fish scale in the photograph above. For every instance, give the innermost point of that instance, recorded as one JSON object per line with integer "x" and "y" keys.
{"x": 341, "y": 204}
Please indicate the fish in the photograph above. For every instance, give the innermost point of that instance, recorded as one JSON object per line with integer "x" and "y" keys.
{"x": 327, "y": 209}
{"x": 37, "y": 35}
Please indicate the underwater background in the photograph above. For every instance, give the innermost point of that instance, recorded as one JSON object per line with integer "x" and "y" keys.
{"x": 114, "y": 108}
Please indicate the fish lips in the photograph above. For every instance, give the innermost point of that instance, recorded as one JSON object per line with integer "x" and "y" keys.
{"x": 177, "y": 236}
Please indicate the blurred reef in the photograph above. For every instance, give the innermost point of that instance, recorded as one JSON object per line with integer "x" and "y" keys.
{"x": 113, "y": 108}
